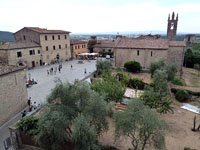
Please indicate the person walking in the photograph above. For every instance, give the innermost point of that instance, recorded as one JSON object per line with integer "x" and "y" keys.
{"x": 59, "y": 69}
{"x": 47, "y": 72}
{"x": 85, "y": 71}
{"x": 29, "y": 103}
{"x": 71, "y": 67}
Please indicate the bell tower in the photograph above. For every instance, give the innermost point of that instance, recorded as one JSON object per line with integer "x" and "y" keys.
{"x": 172, "y": 27}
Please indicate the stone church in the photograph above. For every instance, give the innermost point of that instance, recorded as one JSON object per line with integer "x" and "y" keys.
{"x": 148, "y": 49}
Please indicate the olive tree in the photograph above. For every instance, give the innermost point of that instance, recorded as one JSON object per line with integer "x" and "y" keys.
{"x": 67, "y": 102}
{"x": 142, "y": 125}
{"x": 84, "y": 135}
{"x": 160, "y": 81}
{"x": 110, "y": 87}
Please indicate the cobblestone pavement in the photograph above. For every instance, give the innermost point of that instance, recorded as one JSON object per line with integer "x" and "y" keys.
{"x": 40, "y": 91}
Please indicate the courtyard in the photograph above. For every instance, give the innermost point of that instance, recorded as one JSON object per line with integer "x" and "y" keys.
{"x": 38, "y": 92}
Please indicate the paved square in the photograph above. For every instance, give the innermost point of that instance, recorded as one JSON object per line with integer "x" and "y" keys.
{"x": 40, "y": 91}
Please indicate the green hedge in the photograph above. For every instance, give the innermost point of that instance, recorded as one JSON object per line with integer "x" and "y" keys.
{"x": 137, "y": 83}
{"x": 132, "y": 66}
{"x": 182, "y": 95}
{"x": 178, "y": 81}
{"x": 173, "y": 90}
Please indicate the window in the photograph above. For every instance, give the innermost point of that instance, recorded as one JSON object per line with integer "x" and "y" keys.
{"x": 75, "y": 47}
{"x": 109, "y": 50}
{"x": 65, "y": 36}
{"x": 38, "y": 51}
{"x": 19, "y": 54}
{"x": 138, "y": 53}
{"x": 52, "y": 37}
{"x": 45, "y": 37}
{"x": 24, "y": 37}
{"x": 78, "y": 46}
{"x": 82, "y": 46}
{"x": 151, "y": 53}
{"x": 47, "y": 48}
{"x": 59, "y": 37}
{"x": 65, "y": 45}
{"x": 59, "y": 46}
{"x": 54, "y": 47}
{"x": 32, "y": 52}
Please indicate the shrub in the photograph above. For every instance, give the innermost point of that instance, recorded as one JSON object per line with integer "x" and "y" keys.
{"x": 118, "y": 69}
{"x": 155, "y": 101}
{"x": 137, "y": 83}
{"x": 123, "y": 77}
{"x": 156, "y": 65}
{"x": 171, "y": 71}
{"x": 178, "y": 81}
{"x": 160, "y": 81}
{"x": 28, "y": 125}
{"x": 188, "y": 148}
{"x": 182, "y": 95}
{"x": 113, "y": 89}
{"x": 173, "y": 90}
{"x": 133, "y": 66}
{"x": 103, "y": 66}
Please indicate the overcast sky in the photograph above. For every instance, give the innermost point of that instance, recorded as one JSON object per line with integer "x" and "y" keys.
{"x": 87, "y": 16}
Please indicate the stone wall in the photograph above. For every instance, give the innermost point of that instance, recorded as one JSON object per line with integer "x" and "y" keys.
{"x": 176, "y": 56}
{"x": 26, "y": 57}
{"x": 3, "y": 56}
{"x": 145, "y": 57}
{"x": 50, "y": 54}
{"x": 13, "y": 94}
{"x": 30, "y": 36}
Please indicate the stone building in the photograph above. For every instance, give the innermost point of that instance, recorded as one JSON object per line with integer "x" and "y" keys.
{"x": 104, "y": 46}
{"x": 23, "y": 54}
{"x": 77, "y": 47}
{"x": 148, "y": 51}
{"x": 13, "y": 92}
{"x": 190, "y": 40}
{"x": 55, "y": 44}
{"x": 151, "y": 49}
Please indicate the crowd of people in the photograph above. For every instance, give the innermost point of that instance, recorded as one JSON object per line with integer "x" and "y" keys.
{"x": 52, "y": 70}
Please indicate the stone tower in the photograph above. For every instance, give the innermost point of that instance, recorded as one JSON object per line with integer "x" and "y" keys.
{"x": 172, "y": 27}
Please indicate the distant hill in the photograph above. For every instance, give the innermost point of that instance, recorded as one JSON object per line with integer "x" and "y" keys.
{"x": 6, "y": 36}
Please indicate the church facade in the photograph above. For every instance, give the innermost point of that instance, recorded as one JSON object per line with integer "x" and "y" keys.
{"x": 148, "y": 50}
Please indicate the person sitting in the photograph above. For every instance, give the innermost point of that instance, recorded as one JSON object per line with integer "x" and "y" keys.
{"x": 23, "y": 114}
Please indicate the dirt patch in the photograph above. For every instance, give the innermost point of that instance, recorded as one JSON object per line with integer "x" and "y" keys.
{"x": 191, "y": 77}
{"x": 178, "y": 136}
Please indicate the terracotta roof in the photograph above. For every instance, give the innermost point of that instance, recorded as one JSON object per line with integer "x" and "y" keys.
{"x": 5, "y": 69}
{"x": 75, "y": 41}
{"x": 105, "y": 44}
{"x": 18, "y": 45}
{"x": 142, "y": 43}
{"x": 177, "y": 43}
{"x": 45, "y": 31}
